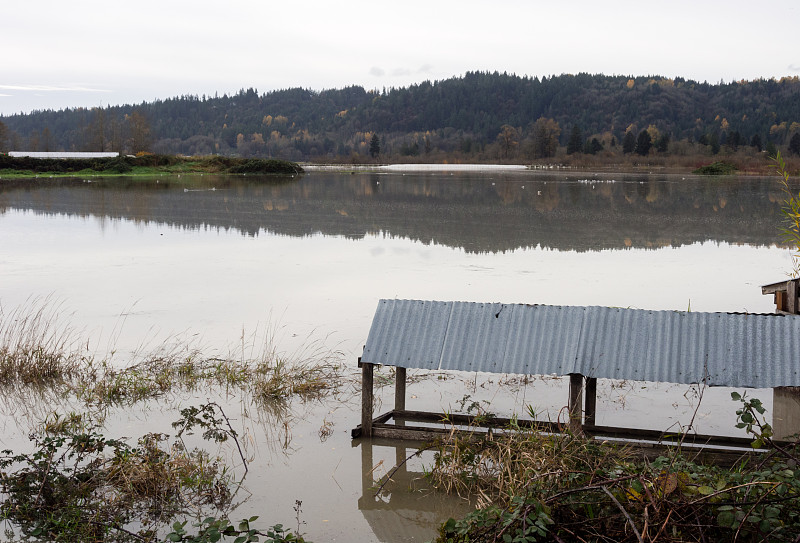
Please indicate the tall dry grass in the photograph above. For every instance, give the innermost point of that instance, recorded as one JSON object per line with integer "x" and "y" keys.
{"x": 36, "y": 346}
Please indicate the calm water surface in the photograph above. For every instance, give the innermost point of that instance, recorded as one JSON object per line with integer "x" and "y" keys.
{"x": 223, "y": 262}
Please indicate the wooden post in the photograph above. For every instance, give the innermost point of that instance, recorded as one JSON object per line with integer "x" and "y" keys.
{"x": 791, "y": 297}
{"x": 366, "y": 399}
{"x": 367, "y": 482}
{"x": 400, "y": 460}
{"x": 400, "y": 392}
{"x": 591, "y": 400}
{"x": 786, "y": 412}
{"x": 575, "y": 401}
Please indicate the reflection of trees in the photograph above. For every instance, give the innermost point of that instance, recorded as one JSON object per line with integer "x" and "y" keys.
{"x": 479, "y": 213}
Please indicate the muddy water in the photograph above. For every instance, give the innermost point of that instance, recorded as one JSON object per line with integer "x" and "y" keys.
{"x": 229, "y": 265}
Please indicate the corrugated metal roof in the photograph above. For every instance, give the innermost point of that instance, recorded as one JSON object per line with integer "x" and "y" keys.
{"x": 731, "y": 349}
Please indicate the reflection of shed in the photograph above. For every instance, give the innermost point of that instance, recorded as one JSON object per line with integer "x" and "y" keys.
{"x": 586, "y": 343}
{"x": 392, "y": 506}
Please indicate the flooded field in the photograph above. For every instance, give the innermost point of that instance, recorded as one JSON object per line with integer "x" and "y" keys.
{"x": 238, "y": 268}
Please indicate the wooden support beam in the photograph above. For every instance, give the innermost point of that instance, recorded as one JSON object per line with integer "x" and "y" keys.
{"x": 450, "y": 419}
{"x": 400, "y": 391}
{"x": 366, "y": 399}
{"x": 591, "y": 401}
{"x": 786, "y": 412}
{"x": 791, "y": 297}
{"x": 575, "y": 400}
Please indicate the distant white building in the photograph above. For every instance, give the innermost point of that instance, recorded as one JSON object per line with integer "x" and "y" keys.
{"x": 57, "y": 154}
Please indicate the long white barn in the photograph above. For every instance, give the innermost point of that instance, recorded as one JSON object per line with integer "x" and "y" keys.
{"x": 59, "y": 154}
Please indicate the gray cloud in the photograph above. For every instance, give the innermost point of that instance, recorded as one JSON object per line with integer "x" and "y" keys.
{"x": 377, "y": 72}
{"x": 424, "y": 69}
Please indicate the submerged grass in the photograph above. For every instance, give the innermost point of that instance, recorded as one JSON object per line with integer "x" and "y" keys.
{"x": 78, "y": 485}
{"x": 35, "y": 350}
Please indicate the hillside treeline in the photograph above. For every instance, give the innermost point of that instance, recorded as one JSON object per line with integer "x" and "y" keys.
{"x": 479, "y": 116}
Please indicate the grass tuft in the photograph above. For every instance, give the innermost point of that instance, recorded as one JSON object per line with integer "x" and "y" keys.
{"x": 34, "y": 348}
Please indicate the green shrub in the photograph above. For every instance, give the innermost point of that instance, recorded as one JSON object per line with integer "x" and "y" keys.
{"x": 717, "y": 168}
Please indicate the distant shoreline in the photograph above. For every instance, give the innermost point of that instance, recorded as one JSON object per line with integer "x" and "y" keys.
{"x": 148, "y": 164}
{"x": 533, "y": 168}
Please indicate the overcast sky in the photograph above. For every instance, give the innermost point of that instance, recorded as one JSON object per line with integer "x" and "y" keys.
{"x": 58, "y": 54}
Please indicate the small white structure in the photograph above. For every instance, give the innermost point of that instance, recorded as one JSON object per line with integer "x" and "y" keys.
{"x": 60, "y": 154}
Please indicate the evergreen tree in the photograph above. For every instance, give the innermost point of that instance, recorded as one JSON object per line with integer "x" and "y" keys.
{"x": 643, "y": 143}
{"x": 713, "y": 141}
{"x": 794, "y": 144}
{"x": 628, "y": 142}
{"x": 592, "y": 147}
{"x": 755, "y": 142}
{"x": 662, "y": 143}
{"x": 734, "y": 140}
{"x": 375, "y": 146}
{"x": 575, "y": 142}
{"x": 771, "y": 149}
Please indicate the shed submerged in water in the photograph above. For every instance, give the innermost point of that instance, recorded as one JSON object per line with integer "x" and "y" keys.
{"x": 586, "y": 343}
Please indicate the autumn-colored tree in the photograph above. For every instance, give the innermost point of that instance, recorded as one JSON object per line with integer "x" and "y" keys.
{"x": 3, "y": 138}
{"x": 116, "y": 136}
{"x": 545, "y": 138}
{"x": 97, "y": 130}
{"x": 140, "y": 139}
{"x": 508, "y": 138}
{"x": 46, "y": 140}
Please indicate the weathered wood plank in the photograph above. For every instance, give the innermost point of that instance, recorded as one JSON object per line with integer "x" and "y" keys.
{"x": 623, "y": 434}
{"x": 575, "y": 406}
{"x": 791, "y": 297}
{"x": 468, "y": 420}
{"x": 773, "y": 288}
{"x": 400, "y": 389}
{"x": 590, "y": 409}
{"x": 366, "y": 399}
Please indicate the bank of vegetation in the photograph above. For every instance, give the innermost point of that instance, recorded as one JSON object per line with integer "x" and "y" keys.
{"x": 143, "y": 164}
{"x": 581, "y": 119}
{"x": 541, "y": 487}
{"x": 75, "y": 484}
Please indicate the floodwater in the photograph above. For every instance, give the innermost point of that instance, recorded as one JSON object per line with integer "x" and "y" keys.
{"x": 226, "y": 264}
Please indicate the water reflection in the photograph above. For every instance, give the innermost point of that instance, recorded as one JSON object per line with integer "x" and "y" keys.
{"x": 396, "y": 505}
{"x": 480, "y": 213}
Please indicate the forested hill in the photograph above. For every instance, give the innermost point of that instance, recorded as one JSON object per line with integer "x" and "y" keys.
{"x": 459, "y": 117}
